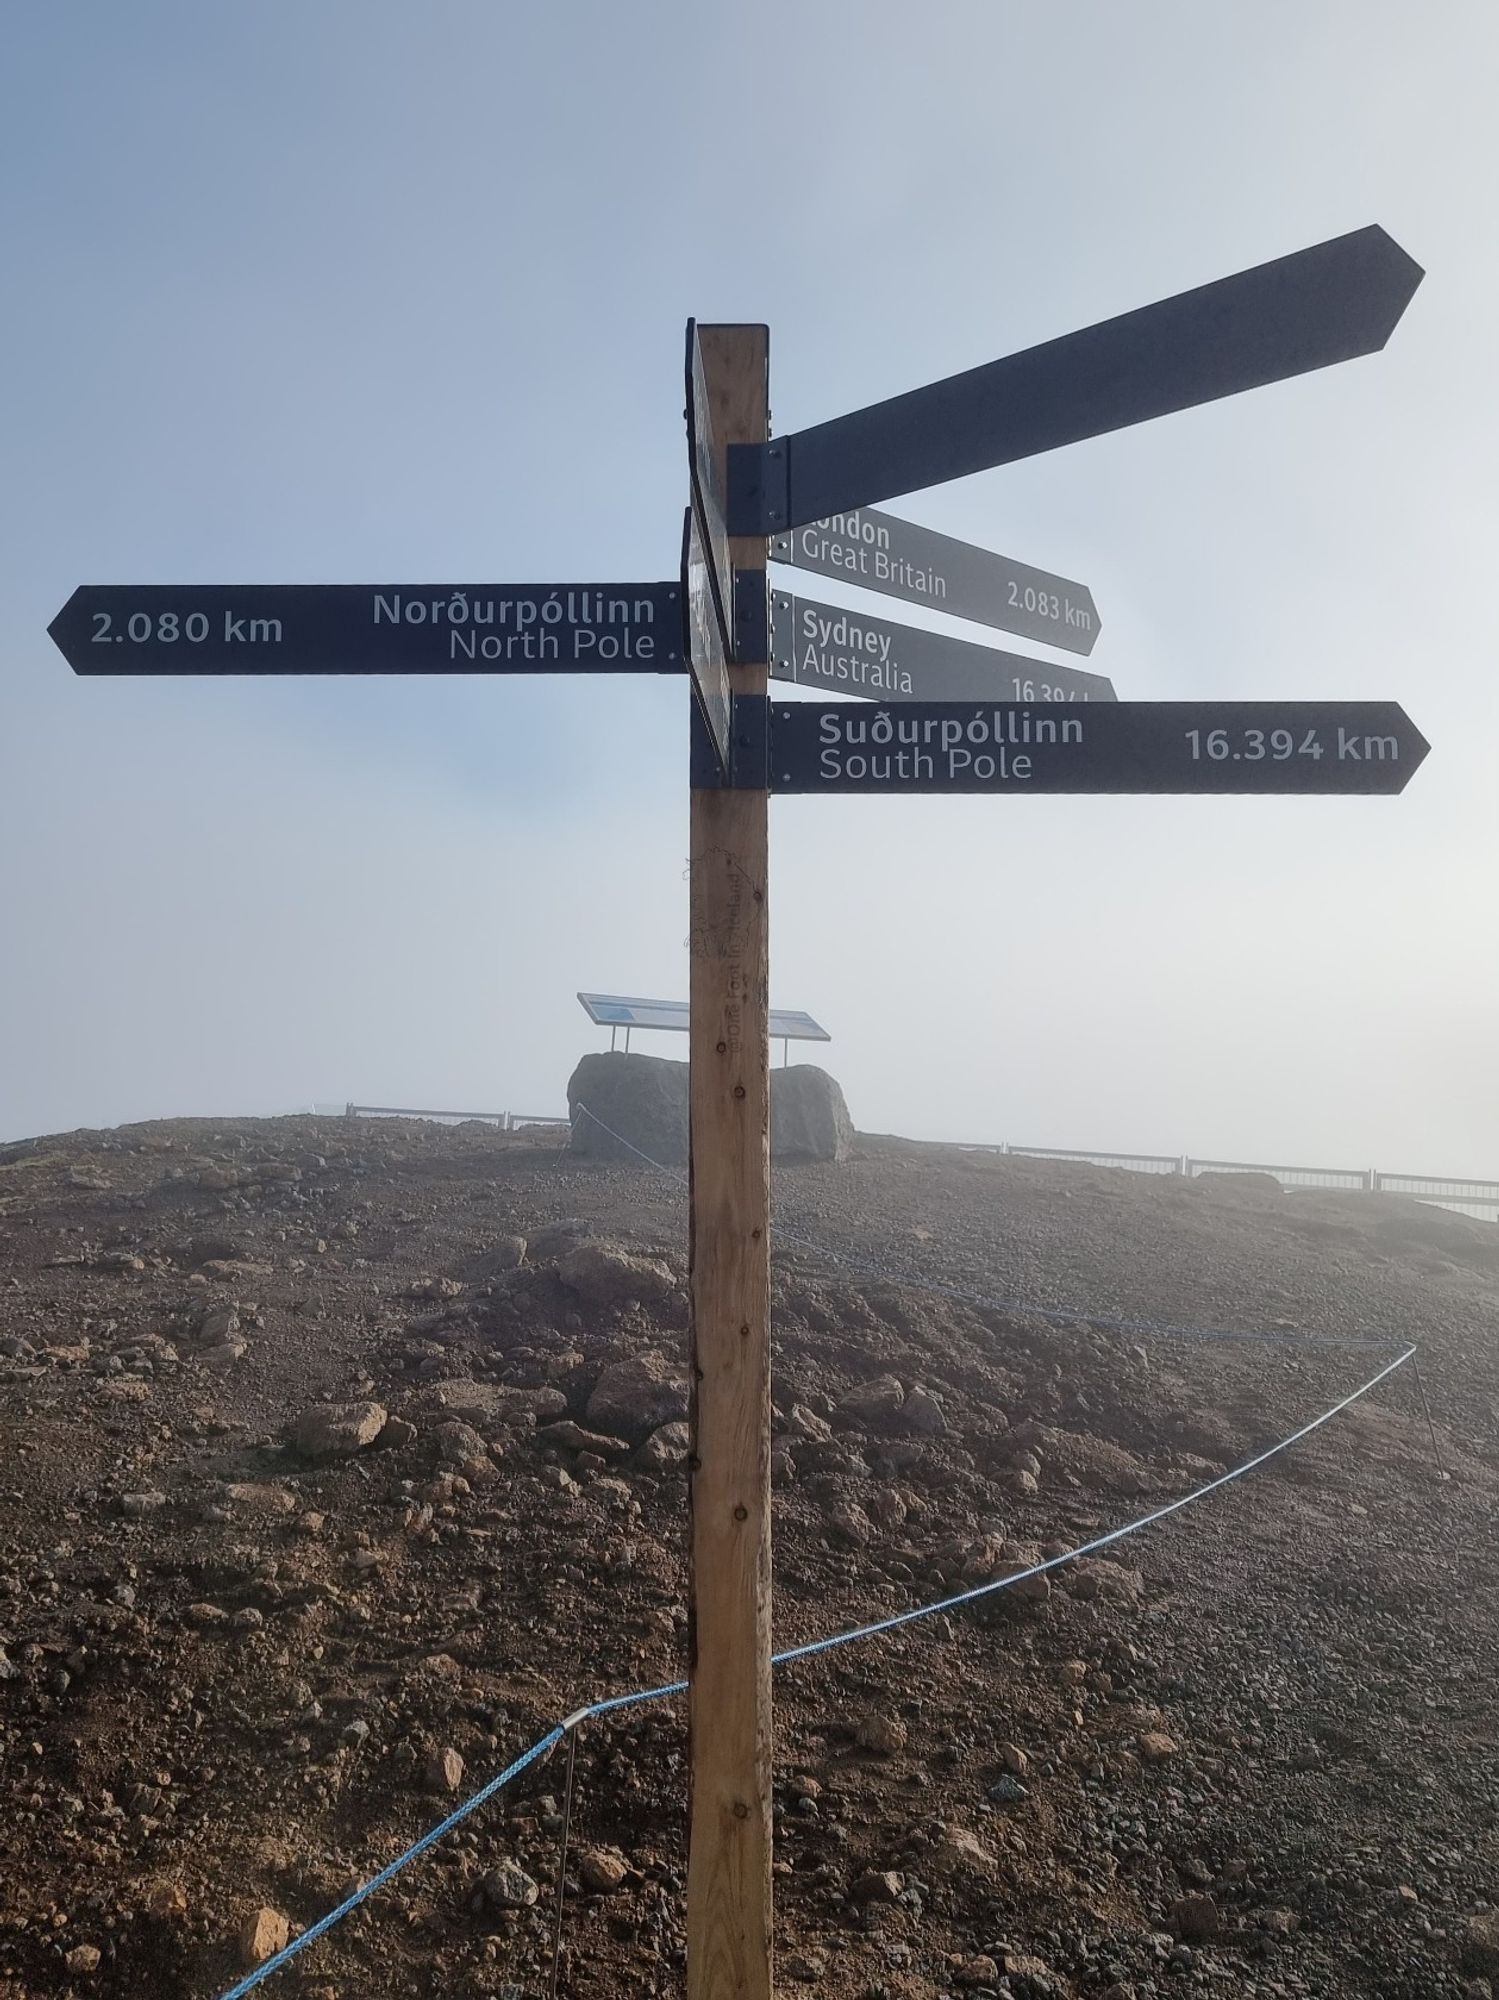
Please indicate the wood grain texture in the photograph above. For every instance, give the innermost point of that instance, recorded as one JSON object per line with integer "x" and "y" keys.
{"x": 728, "y": 1873}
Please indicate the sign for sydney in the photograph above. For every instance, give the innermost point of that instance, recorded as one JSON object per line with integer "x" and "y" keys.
{"x": 827, "y": 646}
{"x": 349, "y": 628}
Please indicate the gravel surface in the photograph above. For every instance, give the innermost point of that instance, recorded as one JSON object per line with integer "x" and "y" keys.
{"x": 339, "y": 1459}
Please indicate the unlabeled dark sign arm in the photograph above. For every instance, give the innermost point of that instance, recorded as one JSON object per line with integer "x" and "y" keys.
{"x": 1330, "y": 303}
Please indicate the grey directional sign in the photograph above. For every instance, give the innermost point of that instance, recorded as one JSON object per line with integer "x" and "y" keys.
{"x": 1126, "y": 746}
{"x": 838, "y": 651}
{"x": 881, "y": 552}
{"x": 1330, "y": 303}
{"x": 381, "y": 628}
{"x": 705, "y": 647}
{"x": 704, "y": 462}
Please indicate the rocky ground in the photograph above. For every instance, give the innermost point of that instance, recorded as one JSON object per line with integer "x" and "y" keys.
{"x": 340, "y": 1459}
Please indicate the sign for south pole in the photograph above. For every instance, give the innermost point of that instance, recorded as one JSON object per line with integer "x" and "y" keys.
{"x": 1368, "y": 747}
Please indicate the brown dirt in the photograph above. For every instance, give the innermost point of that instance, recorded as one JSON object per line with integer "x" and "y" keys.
{"x": 184, "y": 1687}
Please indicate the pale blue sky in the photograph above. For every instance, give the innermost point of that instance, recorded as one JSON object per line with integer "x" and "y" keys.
{"x": 379, "y": 292}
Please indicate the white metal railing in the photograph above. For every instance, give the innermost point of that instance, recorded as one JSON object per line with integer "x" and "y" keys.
{"x": 1464, "y": 1196}
{"x": 1312, "y": 1177}
{"x": 1477, "y": 1198}
{"x": 1137, "y": 1163}
{"x": 507, "y": 1121}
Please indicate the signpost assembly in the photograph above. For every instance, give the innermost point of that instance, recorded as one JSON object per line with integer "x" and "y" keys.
{"x": 1020, "y": 727}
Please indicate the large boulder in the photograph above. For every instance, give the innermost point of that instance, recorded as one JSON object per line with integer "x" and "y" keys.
{"x": 624, "y": 1106}
{"x": 808, "y": 1117}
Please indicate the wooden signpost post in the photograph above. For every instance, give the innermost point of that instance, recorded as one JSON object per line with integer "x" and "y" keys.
{"x": 1018, "y": 735}
{"x": 728, "y": 1864}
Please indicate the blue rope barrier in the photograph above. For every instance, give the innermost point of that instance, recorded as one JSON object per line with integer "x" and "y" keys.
{"x": 784, "y": 1658}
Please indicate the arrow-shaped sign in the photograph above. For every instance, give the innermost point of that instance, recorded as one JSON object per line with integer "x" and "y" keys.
{"x": 1126, "y": 746}
{"x": 356, "y": 628}
{"x": 881, "y": 552}
{"x": 1330, "y": 303}
{"x": 838, "y": 651}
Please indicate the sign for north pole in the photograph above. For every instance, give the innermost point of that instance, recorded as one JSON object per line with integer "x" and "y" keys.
{"x": 355, "y": 628}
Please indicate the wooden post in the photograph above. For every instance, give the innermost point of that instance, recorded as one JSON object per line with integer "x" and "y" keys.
{"x": 728, "y": 1867}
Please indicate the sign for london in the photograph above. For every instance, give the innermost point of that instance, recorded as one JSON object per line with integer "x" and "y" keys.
{"x": 827, "y": 646}
{"x": 348, "y": 628}
{"x": 1126, "y": 746}
{"x": 880, "y": 552}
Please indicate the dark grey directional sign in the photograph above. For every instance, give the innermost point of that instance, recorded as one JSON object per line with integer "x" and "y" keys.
{"x": 381, "y": 628}
{"x": 1323, "y": 305}
{"x": 705, "y": 648}
{"x": 838, "y": 651}
{"x": 881, "y": 552}
{"x": 1126, "y": 746}
{"x": 705, "y": 467}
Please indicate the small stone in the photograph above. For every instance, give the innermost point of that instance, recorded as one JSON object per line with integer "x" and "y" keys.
{"x": 217, "y": 1324}
{"x": 338, "y": 1430}
{"x": 848, "y": 1521}
{"x": 1194, "y": 1919}
{"x": 978, "y": 1971}
{"x": 807, "y": 1968}
{"x": 1480, "y": 1949}
{"x": 444, "y": 1770}
{"x": 356, "y": 1734}
{"x": 883, "y": 1734}
{"x": 508, "y": 1887}
{"x": 1158, "y": 1748}
{"x": 165, "y": 1901}
{"x": 205, "y": 1615}
{"x": 603, "y": 1870}
{"x": 665, "y": 1450}
{"x": 262, "y": 1934}
{"x": 604, "y": 1275}
{"x": 1008, "y": 1791}
{"x": 398, "y": 1433}
{"x": 84, "y": 1960}
{"x": 877, "y": 1402}
{"x": 921, "y": 1412}
{"x": 568, "y": 1436}
{"x": 1014, "y": 1760}
{"x": 879, "y": 1886}
{"x": 140, "y": 1506}
{"x": 636, "y": 1396}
